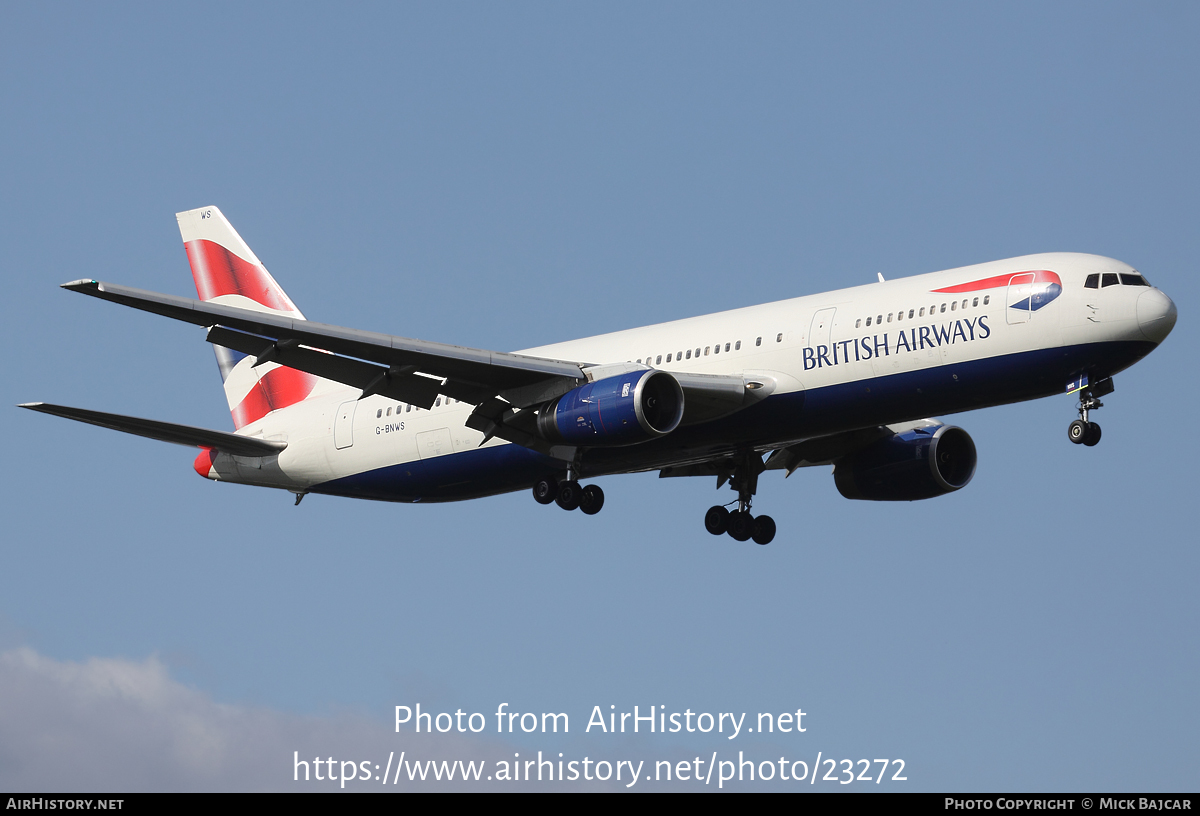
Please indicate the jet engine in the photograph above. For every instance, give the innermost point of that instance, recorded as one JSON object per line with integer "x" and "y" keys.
{"x": 916, "y": 464}
{"x": 633, "y": 407}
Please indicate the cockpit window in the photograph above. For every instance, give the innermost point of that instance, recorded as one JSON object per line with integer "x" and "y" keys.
{"x": 1133, "y": 280}
{"x": 1092, "y": 282}
{"x": 1110, "y": 279}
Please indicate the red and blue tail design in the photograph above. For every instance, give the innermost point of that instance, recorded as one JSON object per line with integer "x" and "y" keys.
{"x": 226, "y": 271}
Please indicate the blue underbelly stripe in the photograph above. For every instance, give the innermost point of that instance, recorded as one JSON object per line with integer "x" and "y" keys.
{"x": 944, "y": 389}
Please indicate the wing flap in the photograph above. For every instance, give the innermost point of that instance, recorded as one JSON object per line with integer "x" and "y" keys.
{"x": 372, "y": 379}
{"x": 164, "y": 431}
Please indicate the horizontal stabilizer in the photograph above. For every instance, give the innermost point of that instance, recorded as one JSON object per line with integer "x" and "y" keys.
{"x": 164, "y": 431}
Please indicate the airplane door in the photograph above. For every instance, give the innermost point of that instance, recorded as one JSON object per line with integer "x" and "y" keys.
{"x": 822, "y": 326}
{"x": 343, "y": 425}
{"x": 1019, "y": 302}
{"x": 434, "y": 443}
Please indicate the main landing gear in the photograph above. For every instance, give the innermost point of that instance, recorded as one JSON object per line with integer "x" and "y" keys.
{"x": 568, "y": 494}
{"x": 739, "y": 523}
{"x": 1082, "y": 431}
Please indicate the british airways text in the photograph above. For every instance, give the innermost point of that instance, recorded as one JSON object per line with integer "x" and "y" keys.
{"x": 914, "y": 339}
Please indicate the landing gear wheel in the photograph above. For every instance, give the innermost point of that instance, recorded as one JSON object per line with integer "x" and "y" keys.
{"x": 591, "y": 500}
{"x": 741, "y": 525}
{"x": 545, "y": 491}
{"x": 1077, "y": 431}
{"x": 764, "y": 530}
{"x": 1093, "y": 434}
{"x": 569, "y": 495}
{"x": 716, "y": 520}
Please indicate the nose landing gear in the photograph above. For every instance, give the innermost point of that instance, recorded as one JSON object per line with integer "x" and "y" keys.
{"x": 1082, "y": 431}
{"x": 740, "y": 524}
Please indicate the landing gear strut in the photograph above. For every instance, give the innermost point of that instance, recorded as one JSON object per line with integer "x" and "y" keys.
{"x": 569, "y": 494}
{"x": 739, "y": 523}
{"x": 1082, "y": 431}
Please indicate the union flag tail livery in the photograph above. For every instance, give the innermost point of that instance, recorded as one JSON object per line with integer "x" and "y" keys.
{"x": 227, "y": 272}
{"x": 847, "y": 378}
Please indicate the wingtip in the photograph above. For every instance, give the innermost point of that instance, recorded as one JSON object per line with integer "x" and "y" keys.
{"x": 34, "y": 405}
{"x": 78, "y": 285}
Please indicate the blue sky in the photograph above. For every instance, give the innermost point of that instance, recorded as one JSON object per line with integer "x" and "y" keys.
{"x": 504, "y": 176}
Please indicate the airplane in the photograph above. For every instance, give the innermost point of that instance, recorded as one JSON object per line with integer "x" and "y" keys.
{"x": 847, "y": 378}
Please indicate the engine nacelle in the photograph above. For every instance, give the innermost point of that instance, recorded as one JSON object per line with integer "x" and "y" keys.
{"x": 633, "y": 407}
{"x": 916, "y": 464}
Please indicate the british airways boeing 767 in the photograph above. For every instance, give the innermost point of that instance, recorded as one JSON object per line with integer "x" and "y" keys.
{"x": 844, "y": 378}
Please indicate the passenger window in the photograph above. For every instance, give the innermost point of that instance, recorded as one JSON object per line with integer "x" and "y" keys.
{"x": 965, "y": 302}
{"x": 987, "y": 299}
{"x": 900, "y": 315}
{"x": 910, "y": 314}
{"x": 659, "y": 360}
{"x": 437, "y": 403}
{"x": 878, "y": 319}
{"x": 758, "y": 341}
{"x": 407, "y": 409}
{"x": 922, "y": 313}
{"x": 689, "y": 354}
{"x": 678, "y": 356}
{"x": 953, "y": 306}
{"x": 697, "y": 352}
{"x": 736, "y": 346}
{"x": 889, "y": 317}
{"x": 706, "y": 348}
{"x": 974, "y": 303}
{"x": 868, "y": 321}
{"x": 717, "y": 348}
{"x": 379, "y": 413}
{"x": 943, "y": 307}
{"x": 1109, "y": 279}
{"x": 389, "y": 413}
{"x": 1133, "y": 280}
{"x": 858, "y": 323}
{"x": 668, "y": 358}
{"x": 779, "y": 337}
{"x": 727, "y": 346}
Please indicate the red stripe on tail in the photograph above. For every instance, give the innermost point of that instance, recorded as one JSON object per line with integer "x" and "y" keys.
{"x": 278, "y": 388}
{"x": 217, "y": 271}
{"x": 204, "y": 462}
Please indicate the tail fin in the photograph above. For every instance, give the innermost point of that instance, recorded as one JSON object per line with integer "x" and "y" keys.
{"x": 226, "y": 271}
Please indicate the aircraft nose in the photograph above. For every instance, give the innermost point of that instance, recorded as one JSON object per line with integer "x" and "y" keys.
{"x": 1156, "y": 315}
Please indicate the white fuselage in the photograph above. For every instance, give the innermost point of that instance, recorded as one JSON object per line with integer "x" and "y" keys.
{"x": 807, "y": 345}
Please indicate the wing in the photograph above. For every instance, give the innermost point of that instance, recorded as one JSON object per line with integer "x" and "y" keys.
{"x": 164, "y": 431}
{"x": 414, "y": 371}
{"x": 825, "y": 450}
{"x": 820, "y": 450}
{"x": 505, "y": 388}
